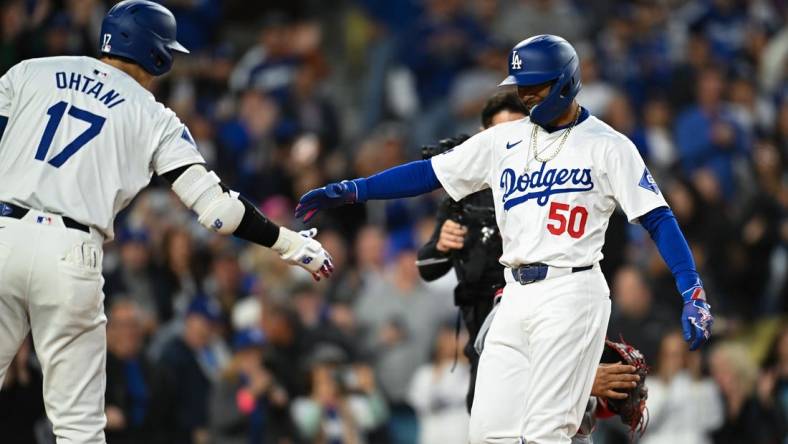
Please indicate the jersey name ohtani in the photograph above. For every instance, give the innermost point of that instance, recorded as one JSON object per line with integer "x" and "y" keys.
{"x": 89, "y": 86}
{"x": 541, "y": 184}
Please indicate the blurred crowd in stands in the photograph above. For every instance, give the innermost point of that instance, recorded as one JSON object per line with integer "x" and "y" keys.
{"x": 212, "y": 340}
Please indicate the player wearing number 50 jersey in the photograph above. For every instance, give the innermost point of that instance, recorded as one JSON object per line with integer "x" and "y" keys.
{"x": 556, "y": 177}
{"x": 79, "y": 138}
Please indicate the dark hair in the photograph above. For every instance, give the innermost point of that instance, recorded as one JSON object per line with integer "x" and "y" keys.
{"x": 505, "y": 101}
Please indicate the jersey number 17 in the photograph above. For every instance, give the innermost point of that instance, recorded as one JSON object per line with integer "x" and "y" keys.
{"x": 55, "y": 113}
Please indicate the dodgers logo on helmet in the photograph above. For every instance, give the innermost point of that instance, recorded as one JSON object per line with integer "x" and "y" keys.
{"x": 517, "y": 62}
{"x": 542, "y": 59}
{"x": 141, "y": 31}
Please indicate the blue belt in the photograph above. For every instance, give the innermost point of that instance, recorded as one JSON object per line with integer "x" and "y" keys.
{"x": 527, "y": 274}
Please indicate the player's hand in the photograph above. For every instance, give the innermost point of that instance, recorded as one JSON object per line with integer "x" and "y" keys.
{"x": 330, "y": 196}
{"x": 696, "y": 318}
{"x": 452, "y": 236}
{"x": 610, "y": 377}
{"x": 302, "y": 250}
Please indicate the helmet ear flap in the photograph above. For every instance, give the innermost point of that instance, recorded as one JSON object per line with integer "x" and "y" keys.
{"x": 565, "y": 89}
{"x": 158, "y": 61}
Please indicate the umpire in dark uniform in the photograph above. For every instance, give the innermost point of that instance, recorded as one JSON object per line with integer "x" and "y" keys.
{"x": 466, "y": 238}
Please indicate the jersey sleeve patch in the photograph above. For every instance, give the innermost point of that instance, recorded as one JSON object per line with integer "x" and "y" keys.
{"x": 188, "y": 137}
{"x": 647, "y": 182}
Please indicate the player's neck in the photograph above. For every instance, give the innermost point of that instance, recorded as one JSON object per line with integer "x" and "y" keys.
{"x": 135, "y": 71}
{"x": 567, "y": 117}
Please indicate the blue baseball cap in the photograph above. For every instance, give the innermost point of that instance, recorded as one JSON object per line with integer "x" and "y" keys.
{"x": 206, "y": 307}
{"x": 127, "y": 234}
{"x": 248, "y": 338}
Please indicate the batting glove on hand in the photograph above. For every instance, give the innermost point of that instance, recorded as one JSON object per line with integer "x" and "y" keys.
{"x": 696, "y": 318}
{"x": 300, "y": 249}
{"x": 330, "y": 196}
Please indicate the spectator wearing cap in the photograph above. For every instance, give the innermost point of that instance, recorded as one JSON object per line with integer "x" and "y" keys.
{"x": 138, "y": 396}
{"x": 270, "y": 66}
{"x": 197, "y": 361}
{"x": 247, "y": 404}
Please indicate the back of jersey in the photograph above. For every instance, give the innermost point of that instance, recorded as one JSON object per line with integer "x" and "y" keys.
{"x": 83, "y": 138}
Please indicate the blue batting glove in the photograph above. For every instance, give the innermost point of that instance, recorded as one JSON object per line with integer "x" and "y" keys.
{"x": 696, "y": 318}
{"x": 330, "y": 196}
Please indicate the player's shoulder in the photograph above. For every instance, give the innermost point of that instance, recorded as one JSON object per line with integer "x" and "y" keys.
{"x": 599, "y": 132}
{"x": 506, "y": 129}
{"x": 32, "y": 71}
{"x": 512, "y": 125}
{"x": 55, "y": 62}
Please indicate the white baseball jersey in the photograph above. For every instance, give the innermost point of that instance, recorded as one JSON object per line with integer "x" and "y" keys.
{"x": 556, "y": 212}
{"x": 83, "y": 138}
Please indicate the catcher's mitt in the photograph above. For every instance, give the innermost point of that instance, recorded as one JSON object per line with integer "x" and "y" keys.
{"x": 631, "y": 409}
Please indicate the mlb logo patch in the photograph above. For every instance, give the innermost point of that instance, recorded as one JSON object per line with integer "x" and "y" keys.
{"x": 647, "y": 182}
{"x": 44, "y": 220}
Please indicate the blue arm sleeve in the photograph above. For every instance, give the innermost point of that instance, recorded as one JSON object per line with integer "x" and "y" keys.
{"x": 664, "y": 229}
{"x": 410, "y": 179}
{"x": 3, "y": 123}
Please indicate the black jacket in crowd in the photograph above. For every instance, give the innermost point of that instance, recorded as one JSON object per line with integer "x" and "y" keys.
{"x": 156, "y": 427}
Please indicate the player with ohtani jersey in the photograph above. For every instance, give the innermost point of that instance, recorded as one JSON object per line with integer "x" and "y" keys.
{"x": 79, "y": 138}
{"x": 556, "y": 177}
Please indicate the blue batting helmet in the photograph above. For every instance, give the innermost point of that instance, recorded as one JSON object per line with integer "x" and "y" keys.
{"x": 141, "y": 31}
{"x": 541, "y": 59}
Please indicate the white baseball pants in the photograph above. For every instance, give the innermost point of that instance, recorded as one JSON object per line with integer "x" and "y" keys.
{"x": 52, "y": 285}
{"x": 539, "y": 360}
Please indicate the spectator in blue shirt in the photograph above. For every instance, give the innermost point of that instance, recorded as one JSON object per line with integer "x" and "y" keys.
{"x": 707, "y": 134}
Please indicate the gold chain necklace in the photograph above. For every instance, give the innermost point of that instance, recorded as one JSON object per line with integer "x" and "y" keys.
{"x": 534, "y": 146}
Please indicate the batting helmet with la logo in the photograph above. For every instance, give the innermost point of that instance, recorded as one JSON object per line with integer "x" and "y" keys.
{"x": 541, "y": 59}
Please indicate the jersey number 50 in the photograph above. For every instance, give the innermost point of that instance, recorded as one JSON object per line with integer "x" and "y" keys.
{"x": 574, "y": 224}
{"x": 55, "y": 113}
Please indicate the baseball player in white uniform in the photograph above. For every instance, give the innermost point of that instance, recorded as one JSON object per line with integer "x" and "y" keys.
{"x": 79, "y": 138}
{"x": 556, "y": 177}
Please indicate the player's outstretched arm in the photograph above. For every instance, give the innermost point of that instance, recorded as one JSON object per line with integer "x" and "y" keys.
{"x": 226, "y": 212}
{"x": 696, "y": 318}
{"x": 410, "y": 179}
